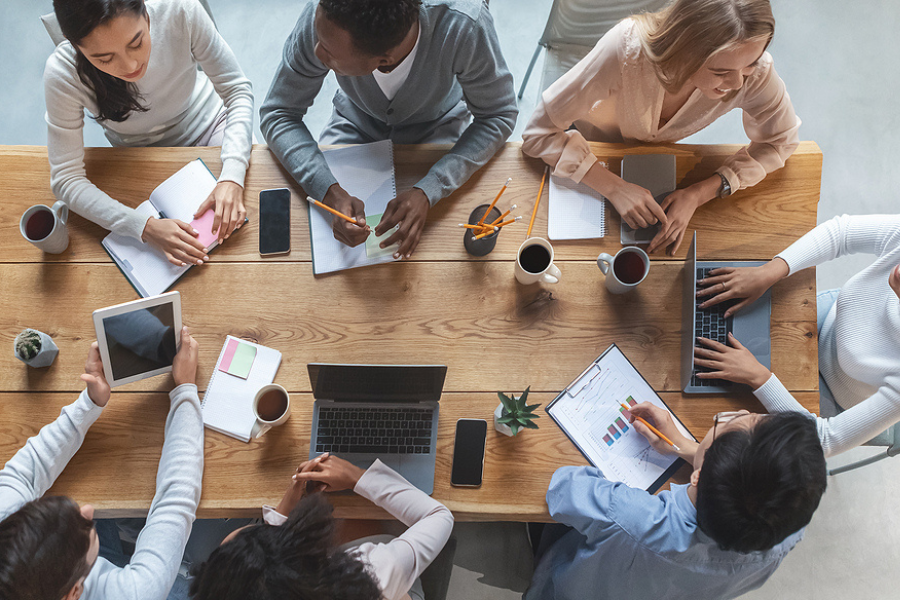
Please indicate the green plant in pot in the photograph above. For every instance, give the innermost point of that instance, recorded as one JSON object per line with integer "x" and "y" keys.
{"x": 35, "y": 348}
{"x": 515, "y": 414}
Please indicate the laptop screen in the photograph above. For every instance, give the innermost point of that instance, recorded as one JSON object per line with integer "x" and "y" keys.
{"x": 377, "y": 383}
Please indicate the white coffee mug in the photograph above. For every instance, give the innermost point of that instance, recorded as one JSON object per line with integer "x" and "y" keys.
{"x": 53, "y": 240}
{"x": 262, "y": 425}
{"x": 548, "y": 273}
{"x": 614, "y": 282}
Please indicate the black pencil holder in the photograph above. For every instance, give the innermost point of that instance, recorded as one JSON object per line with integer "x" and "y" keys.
{"x": 486, "y": 244}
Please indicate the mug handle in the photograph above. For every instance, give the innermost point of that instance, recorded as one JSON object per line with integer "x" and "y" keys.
{"x": 604, "y": 261}
{"x": 553, "y": 275}
{"x": 61, "y": 209}
{"x": 262, "y": 430}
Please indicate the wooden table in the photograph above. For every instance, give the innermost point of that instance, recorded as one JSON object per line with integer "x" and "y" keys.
{"x": 441, "y": 307}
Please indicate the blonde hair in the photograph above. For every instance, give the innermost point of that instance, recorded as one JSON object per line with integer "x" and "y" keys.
{"x": 680, "y": 38}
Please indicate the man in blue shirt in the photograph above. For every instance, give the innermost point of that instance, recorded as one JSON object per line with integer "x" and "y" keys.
{"x": 756, "y": 482}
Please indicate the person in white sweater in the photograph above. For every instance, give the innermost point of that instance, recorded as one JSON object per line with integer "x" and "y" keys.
{"x": 145, "y": 96}
{"x": 48, "y": 544}
{"x": 294, "y": 553}
{"x": 859, "y": 328}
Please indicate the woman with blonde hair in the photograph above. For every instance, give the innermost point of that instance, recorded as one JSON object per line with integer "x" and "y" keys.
{"x": 660, "y": 77}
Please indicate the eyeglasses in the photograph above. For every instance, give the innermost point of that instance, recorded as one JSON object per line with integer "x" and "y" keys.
{"x": 725, "y": 417}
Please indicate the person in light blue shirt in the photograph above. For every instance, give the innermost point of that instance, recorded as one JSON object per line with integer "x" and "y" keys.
{"x": 756, "y": 482}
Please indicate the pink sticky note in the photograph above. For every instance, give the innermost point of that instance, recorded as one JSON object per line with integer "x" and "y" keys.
{"x": 203, "y": 225}
{"x": 230, "y": 349}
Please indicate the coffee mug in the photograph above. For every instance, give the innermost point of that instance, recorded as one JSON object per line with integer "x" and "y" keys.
{"x": 534, "y": 262}
{"x": 45, "y": 227}
{"x": 271, "y": 407}
{"x": 625, "y": 270}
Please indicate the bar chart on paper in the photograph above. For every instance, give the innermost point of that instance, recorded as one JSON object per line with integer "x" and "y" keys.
{"x": 590, "y": 413}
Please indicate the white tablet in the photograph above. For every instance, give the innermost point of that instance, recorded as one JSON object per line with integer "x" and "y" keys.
{"x": 139, "y": 339}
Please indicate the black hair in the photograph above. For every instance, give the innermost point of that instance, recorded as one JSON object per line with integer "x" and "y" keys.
{"x": 758, "y": 486}
{"x": 116, "y": 98}
{"x": 376, "y": 26}
{"x": 297, "y": 560}
{"x": 43, "y": 549}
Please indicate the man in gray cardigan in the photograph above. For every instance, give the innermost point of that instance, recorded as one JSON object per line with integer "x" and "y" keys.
{"x": 412, "y": 71}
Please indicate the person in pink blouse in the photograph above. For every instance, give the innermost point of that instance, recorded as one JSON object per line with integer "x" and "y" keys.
{"x": 660, "y": 77}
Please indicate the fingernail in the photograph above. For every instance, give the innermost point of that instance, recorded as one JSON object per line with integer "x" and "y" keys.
{"x": 408, "y": 255}
{"x": 199, "y": 262}
{"x": 396, "y": 255}
{"x": 183, "y": 264}
{"x": 205, "y": 258}
{"x": 196, "y": 232}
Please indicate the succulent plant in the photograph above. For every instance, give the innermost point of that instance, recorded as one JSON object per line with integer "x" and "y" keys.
{"x": 28, "y": 344}
{"x": 516, "y": 413}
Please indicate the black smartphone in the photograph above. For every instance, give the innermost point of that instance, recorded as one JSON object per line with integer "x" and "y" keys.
{"x": 468, "y": 453}
{"x": 274, "y": 222}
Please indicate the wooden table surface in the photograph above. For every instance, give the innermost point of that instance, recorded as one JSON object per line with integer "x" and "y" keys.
{"x": 441, "y": 307}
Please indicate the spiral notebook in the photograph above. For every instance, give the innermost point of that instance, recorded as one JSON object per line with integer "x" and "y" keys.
{"x": 228, "y": 402}
{"x": 367, "y": 172}
{"x": 576, "y": 211}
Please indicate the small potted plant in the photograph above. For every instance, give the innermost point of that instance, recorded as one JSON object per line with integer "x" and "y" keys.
{"x": 513, "y": 415}
{"x": 35, "y": 348}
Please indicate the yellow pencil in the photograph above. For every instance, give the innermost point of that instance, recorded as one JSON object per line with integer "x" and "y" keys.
{"x": 501, "y": 217}
{"x": 510, "y": 222}
{"x": 652, "y": 428}
{"x": 491, "y": 227}
{"x": 335, "y": 212}
{"x": 538, "y": 201}
{"x": 491, "y": 207}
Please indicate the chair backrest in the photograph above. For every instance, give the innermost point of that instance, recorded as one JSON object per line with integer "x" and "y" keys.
{"x": 52, "y": 27}
{"x": 583, "y": 22}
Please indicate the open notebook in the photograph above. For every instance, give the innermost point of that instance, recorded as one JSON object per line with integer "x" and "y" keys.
{"x": 178, "y": 197}
{"x": 367, "y": 172}
{"x": 576, "y": 211}
{"x": 228, "y": 402}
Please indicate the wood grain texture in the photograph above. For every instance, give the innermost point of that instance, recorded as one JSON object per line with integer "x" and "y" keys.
{"x": 752, "y": 224}
{"x": 493, "y": 333}
{"x": 115, "y": 469}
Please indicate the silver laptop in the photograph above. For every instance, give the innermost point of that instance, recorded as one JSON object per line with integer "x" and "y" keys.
{"x": 364, "y": 412}
{"x": 750, "y": 325}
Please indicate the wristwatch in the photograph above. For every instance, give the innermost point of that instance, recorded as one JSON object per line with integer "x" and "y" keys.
{"x": 725, "y": 188}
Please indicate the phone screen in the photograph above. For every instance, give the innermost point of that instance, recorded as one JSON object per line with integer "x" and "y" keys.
{"x": 468, "y": 452}
{"x": 275, "y": 221}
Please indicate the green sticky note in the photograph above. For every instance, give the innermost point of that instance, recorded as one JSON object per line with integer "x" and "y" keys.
{"x": 242, "y": 361}
{"x": 372, "y": 242}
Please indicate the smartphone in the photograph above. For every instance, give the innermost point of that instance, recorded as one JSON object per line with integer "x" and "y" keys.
{"x": 656, "y": 174}
{"x": 468, "y": 453}
{"x": 274, "y": 222}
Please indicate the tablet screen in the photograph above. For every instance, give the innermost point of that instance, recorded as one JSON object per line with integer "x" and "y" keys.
{"x": 140, "y": 341}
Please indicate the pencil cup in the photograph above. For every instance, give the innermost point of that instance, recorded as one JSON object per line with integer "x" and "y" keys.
{"x": 486, "y": 244}
{"x": 45, "y": 227}
{"x": 271, "y": 407}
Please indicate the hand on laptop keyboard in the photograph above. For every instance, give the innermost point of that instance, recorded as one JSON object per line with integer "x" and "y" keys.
{"x": 732, "y": 362}
{"x": 740, "y": 285}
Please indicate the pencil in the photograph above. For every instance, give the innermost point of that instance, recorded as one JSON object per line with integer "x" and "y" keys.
{"x": 510, "y": 222}
{"x": 491, "y": 207}
{"x": 491, "y": 227}
{"x": 501, "y": 217}
{"x": 538, "y": 201}
{"x": 652, "y": 428}
{"x": 335, "y": 212}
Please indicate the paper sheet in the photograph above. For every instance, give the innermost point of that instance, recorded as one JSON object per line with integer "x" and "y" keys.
{"x": 576, "y": 211}
{"x": 372, "y": 242}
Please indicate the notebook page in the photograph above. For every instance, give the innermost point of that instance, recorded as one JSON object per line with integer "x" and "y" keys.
{"x": 228, "y": 402}
{"x": 179, "y": 196}
{"x": 367, "y": 172}
{"x": 576, "y": 211}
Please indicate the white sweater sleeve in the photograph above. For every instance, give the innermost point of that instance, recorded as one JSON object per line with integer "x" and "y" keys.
{"x": 34, "y": 468}
{"x": 221, "y": 66}
{"x": 397, "y": 564}
{"x": 160, "y": 545}
{"x": 857, "y": 234}
{"x": 854, "y": 426}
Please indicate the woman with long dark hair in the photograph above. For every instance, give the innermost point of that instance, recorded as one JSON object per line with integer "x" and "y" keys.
{"x": 133, "y": 66}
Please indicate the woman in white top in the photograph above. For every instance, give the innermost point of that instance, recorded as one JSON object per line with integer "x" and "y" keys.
{"x": 297, "y": 556}
{"x": 133, "y": 66}
{"x": 661, "y": 77}
{"x": 859, "y": 328}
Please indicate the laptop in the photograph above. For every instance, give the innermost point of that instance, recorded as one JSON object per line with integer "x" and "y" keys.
{"x": 364, "y": 412}
{"x": 750, "y": 325}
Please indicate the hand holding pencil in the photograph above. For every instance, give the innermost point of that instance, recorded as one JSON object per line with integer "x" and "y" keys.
{"x": 350, "y": 223}
{"x": 657, "y": 426}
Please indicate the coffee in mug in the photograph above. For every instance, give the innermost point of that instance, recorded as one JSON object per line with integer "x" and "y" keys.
{"x": 625, "y": 270}
{"x": 534, "y": 262}
{"x": 629, "y": 267}
{"x": 535, "y": 259}
{"x": 45, "y": 227}
{"x": 271, "y": 407}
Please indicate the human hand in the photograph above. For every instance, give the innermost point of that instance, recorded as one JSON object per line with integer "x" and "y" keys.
{"x": 228, "y": 199}
{"x": 662, "y": 420}
{"x": 176, "y": 239}
{"x": 353, "y": 207}
{"x": 680, "y": 206}
{"x": 97, "y": 386}
{"x": 184, "y": 367}
{"x": 410, "y": 210}
{"x": 749, "y": 283}
{"x": 335, "y": 473}
{"x": 636, "y": 205}
{"x": 733, "y": 362}
{"x": 298, "y": 488}
{"x": 894, "y": 280}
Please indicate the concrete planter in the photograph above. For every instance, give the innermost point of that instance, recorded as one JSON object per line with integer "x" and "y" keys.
{"x": 45, "y": 356}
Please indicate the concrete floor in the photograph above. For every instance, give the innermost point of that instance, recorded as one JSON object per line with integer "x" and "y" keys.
{"x": 835, "y": 59}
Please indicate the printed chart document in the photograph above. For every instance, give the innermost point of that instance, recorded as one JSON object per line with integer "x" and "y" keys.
{"x": 576, "y": 211}
{"x": 367, "y": 172}
{"x": 589, "y": 411}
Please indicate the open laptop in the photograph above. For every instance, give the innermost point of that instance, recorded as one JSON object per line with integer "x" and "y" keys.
{"x": 750, "y": 325}
{"x": 364, "y": 412}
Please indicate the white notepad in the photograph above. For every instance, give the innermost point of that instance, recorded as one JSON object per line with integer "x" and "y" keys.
{"x": 576, "y": 211}
{"x": 228, "y": 402}
{"x": 367, "y": 172}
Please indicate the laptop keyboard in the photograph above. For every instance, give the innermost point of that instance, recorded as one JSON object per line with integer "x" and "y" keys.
{"x": 378, "y": 430}
{"x": 711, "y": 324}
